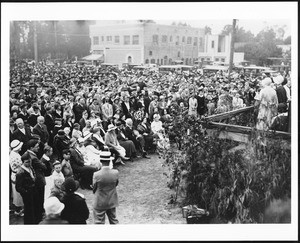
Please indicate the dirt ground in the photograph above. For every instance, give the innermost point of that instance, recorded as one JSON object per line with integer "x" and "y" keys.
{"x": 143, "y": 195}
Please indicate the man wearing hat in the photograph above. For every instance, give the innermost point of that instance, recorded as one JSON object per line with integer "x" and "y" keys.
{"x": 105, "y": 182}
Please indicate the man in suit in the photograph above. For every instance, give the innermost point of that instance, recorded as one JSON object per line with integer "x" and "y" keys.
{"x": 49, "y": 122}
{"x": 22, "y": 133}
{"x": 40, "y": 169}
{"x": 126, "y": 107}
{"x": 105, "y": 182}
{"x": 80, "y": 167}
{"x": 41, "y": 130}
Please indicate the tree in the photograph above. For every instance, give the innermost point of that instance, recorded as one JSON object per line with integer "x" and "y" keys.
{"x": 227, "y": 29}
{"x": 207, "y": 30}
{"x": 287, "y": 41}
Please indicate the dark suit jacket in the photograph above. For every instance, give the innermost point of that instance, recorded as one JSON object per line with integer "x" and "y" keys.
{"x": 17, "y": 134}
{"x": 126, "y": 112}
{"x": 78, "y": 109}
{"x": 42, "y": 132}
{"x": 39, "y": 169}
{"x": 105, "y": 182}
{"x": 76, "y": 210}
{"x": 24, "y": 183}
{"x": 49, "y": 122}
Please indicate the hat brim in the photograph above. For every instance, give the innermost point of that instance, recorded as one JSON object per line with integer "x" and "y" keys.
{"x": 18, "y": 147}
{"x": 113, "y": 128}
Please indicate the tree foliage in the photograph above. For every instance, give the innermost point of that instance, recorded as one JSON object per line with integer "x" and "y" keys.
{"x": 234, "y": 186}
{"x": 55, "y": 39}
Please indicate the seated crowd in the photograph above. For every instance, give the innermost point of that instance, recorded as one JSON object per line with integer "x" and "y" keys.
{"x": 60, "y": 126}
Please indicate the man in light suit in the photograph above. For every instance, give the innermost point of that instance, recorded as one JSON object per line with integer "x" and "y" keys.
{"x": 105, "y": 182}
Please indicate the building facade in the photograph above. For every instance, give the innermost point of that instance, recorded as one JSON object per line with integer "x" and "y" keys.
{"x": 217, "y": 49}
{"x": 143, "y": 43}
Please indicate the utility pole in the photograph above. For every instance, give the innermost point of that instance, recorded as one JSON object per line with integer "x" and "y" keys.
{"x": 232, "y": 46}
{"x": 35, "y": 43}
{"x": 55, "y": 38}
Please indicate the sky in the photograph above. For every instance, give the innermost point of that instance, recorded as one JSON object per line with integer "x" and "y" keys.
{"x": 255, "y": 26}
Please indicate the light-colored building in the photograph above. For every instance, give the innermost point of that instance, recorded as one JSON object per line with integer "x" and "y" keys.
{"x": 217, "y": 49}
{"x": 142, "y": 43}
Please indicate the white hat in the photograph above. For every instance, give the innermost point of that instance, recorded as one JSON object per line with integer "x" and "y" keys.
{"x": 53, "y": 206}
{"x": 16, "y": 145}
{"x": 105, "y": 155}
{"x": 111, "y": 127}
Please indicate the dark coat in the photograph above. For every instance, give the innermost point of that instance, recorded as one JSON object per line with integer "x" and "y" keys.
{"x": 39, "y": 169}
{"x": 24, "y": 182}
{"x": 78, "y": 109}
{"x": 32, "y": 119}
{"x": 17, "y": 134}
{"x": 59, "y": 144}
{"x": 76, "y": 210}
{"x": 125, "y": 110}
{"x": 49, "y": 122}
{"x": 42, "y": 132}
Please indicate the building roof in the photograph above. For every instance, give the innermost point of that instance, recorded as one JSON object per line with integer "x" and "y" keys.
{"x": 93, "y": 57}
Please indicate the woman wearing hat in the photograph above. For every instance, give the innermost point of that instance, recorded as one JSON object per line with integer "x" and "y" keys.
{"x": 53, "y": 208}
{"x": 112, "y": 142}
{"x": 76, "y": 210}
{"x": 15, "y": 163}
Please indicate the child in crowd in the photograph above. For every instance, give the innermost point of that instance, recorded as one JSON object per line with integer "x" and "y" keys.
{"x": 65, "y": 164}
{"x": 56, "y": 190}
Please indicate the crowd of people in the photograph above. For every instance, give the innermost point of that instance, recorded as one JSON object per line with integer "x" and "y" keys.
{"x": 64, "y": 120}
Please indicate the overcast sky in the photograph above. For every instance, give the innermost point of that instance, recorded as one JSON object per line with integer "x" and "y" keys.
{"x": 255, "y": 26}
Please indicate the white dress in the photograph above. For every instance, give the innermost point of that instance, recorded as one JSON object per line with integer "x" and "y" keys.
{"x": 15, "y": 162}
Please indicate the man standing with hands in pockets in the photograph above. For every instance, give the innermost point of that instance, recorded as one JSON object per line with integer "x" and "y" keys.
{"x": 105, "y": 182}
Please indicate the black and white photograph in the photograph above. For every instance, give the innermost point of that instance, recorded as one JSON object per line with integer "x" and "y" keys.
{"x": 171, "y": 121}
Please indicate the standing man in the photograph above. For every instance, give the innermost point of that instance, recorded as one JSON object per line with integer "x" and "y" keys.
{"x": 41, "y": 130}
{"x": 105, "y": 182}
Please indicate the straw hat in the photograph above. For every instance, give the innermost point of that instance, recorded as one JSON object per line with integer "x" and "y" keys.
{"x": 16, "y": 145}
{"x": 111, "y": 127}
{"x": 53, "y": 206}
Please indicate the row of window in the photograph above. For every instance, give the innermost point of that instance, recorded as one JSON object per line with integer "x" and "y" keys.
{"x": 166, "y": 61}
{"x": 151, "y": 53}
{"x": 127, "y": 39}
{"x": 216, "y": 59}
{"x": 188, "y": 40}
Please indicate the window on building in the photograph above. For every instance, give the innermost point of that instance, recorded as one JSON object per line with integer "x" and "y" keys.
{"x": 117, "y": 39}
{"x": 189, "y": 40}
{"x": 216, "y": 59}
{"x": 200, "y": 41}
{"x": 161, "y": 61}
{"x": 126, "y": 39}
{"x": 155, "y": 39}
{"x": 178, "y": 54}
{"x": 108, "y": 38}
{"x": 202, "y": 59}
{"x": 170, "y": 61}
{"x": 213, "y": 44}
{"x": 157, "y": 62}
{"x": 171, "y": 38}
{"x": 177, "y": 40}
{"x": 150, "y": 53}
{"x": 152, "y": 61}
{"x": 222, "y": 59}
{"x": 147, "y": 61}
{"x": 102, "y": 38}
{"x": 96, "y": 40}
{"x": 195, "y": 41}
{"x": 164, "y": 39}
{"x": 135, "y": 40}
{"x": 183, "y": 39}
{"x": 98, "y": 52}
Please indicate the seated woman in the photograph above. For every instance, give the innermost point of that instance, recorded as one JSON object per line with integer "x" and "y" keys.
{"x": 159, "y": 133}
{"x": 125, "y": 142}
{"x": 145, "y": 129}
{"x": 112, "y": 142}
